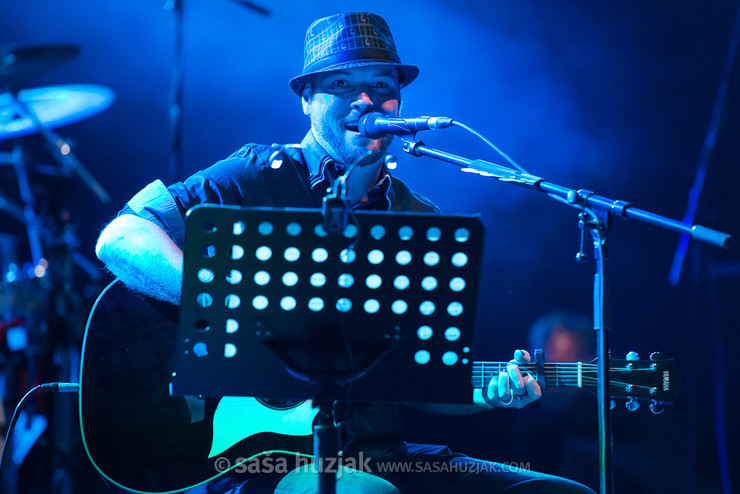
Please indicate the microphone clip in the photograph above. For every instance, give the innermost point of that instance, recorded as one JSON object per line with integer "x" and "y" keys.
{"x": 335, "y": 210}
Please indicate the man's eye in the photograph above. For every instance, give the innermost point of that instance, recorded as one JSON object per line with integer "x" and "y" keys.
{"x": 381, "y": 84}
{"x": 340, "y": 83}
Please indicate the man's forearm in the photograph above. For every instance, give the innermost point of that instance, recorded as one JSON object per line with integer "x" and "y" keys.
{"x": 143, "y": 257}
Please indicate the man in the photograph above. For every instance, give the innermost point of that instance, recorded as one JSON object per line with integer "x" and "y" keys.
{"x": 351, "y": 68}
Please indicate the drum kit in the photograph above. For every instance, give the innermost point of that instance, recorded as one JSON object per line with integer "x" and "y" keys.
{"x": 25, "y": 112}
{"x": 42, "y": 301}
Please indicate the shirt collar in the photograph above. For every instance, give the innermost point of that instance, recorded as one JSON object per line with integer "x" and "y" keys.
{"x": 316, "y": 159}
{"x": 323, "y": 171}
{"x": 378, "y": 198}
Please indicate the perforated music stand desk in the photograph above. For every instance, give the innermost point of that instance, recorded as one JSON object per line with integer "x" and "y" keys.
{"x": 266, "y": 286}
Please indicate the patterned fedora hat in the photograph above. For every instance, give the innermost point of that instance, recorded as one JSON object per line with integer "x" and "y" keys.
{"x": 350, "y": 39}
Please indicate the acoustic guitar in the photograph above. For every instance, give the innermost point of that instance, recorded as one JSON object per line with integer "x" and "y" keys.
{"x": 144, "y": 440}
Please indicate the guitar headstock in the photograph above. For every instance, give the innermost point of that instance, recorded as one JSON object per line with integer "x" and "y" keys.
{"x": 656, "y": 381}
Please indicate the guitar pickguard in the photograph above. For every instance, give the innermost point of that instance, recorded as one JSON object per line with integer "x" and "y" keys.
{"x": 237, "y": 418}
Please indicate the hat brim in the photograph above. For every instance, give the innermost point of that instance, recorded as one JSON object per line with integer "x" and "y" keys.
{"x": 406, "y": 73}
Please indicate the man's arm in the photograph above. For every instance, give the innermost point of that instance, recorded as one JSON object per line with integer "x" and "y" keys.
{"x": 142, "y": 256}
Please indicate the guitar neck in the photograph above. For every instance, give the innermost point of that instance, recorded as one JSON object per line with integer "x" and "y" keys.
{"x": 552, "y": 375}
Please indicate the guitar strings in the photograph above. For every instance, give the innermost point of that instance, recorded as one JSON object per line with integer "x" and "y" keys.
{"x": 562, "y": 373}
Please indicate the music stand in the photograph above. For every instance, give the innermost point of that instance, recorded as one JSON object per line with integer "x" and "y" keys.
{"x": 274, "y": 307}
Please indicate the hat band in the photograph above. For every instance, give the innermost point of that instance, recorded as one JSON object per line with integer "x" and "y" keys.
{"x": 356, "y": 55}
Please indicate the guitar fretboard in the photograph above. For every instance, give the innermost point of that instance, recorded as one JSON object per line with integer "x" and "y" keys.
{"x": 555, "y": 374}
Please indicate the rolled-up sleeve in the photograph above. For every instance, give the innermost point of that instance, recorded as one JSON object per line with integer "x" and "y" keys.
{"x": 240, "y": 180}
{"x": 155, "y": 203}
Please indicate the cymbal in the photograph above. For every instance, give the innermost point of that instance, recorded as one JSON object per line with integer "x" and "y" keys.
{"x": 54, "y": 106}
{"x": 22, "y": 62}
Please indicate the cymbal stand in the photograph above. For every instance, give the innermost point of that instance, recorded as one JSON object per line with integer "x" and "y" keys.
{"x": 6, "y": 203}
{"x": 25, "y": 212}
{"x": 176, "y": 82}
{"x": 62, "y": 152}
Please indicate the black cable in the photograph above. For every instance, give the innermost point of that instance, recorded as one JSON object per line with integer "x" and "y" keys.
{"x": 492, "y": 145}
{"x": 57, "y": 387}
{"x": 509, "y": 160}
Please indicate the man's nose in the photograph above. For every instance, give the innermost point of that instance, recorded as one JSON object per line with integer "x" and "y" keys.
{"x": 363, "y": 102}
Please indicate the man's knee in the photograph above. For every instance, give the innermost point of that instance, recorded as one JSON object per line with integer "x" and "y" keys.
{"x": 353, "y": 481}
{"x": 554, "y": 485}
{"x": 349, "y": 481}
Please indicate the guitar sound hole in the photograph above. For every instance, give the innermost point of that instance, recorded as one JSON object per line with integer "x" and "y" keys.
{"x": 279, "y": 404}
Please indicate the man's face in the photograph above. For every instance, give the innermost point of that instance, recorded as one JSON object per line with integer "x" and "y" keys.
{"x": 335, "y": 99}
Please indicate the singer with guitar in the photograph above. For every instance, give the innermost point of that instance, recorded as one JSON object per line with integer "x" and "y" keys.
{"x": 351, "y": 70}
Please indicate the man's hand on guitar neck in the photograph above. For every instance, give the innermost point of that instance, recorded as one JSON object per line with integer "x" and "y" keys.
{"x": 509, "y": 389}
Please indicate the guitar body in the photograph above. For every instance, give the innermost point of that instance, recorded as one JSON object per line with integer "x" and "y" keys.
{"x": 135, "y": 433}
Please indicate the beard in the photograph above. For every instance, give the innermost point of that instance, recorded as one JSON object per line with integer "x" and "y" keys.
{"x": 345, "y": 146}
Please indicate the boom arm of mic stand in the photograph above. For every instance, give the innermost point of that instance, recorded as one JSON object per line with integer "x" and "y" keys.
{"x": 576, "y": 198}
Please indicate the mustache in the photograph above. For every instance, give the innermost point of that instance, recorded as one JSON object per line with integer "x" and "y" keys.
{"x": 350, "y": 122}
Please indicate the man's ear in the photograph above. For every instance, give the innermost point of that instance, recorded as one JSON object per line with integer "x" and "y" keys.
{"x": 306, "y": 98}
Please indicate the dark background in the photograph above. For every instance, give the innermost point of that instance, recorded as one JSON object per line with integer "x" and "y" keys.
{"x": 614, "y": 97}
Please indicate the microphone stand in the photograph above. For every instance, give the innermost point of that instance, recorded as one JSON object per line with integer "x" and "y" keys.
{"x": 597, "y": 212}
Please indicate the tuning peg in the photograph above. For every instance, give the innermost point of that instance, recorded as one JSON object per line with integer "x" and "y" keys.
{"x": 656, "y": 356}
{"x": 632, "y": 405}
{"x": 632, "y": 356}
{"x": 612, "y": 404}
{"x": 657, "y": 407}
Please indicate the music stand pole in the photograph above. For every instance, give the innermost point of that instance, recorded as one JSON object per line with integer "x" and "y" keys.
{"x": 326, "y": 445}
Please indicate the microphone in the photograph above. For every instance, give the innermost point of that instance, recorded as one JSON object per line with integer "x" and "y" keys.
{"x": 375, "y": 125}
